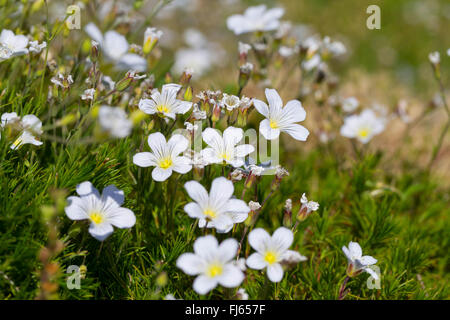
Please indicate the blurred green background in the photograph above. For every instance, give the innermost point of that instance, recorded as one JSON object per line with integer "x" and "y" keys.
{"x": 410, "y": 30}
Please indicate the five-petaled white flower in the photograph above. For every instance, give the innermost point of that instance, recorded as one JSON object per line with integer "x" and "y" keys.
{"x": 257, "y": 18}
{"x": 166, "y": 102}
{"x": 230, "y": 102}
{"x": 272, "y": 251}
{"x": 114, "y": 120}
{"x": 217, "y": 209}
{"x": 212, "y": 264}
{"x": 357, "y": 262}
{"x": 164, "y": 156}
{"x": 224, "y": 149}
{"x": 23, "y": 130}
{"x": 281, "y": 119}
{"x": 363, "y": 126}
{"x": 115, "y": 46}
{"x": 104, "y": 211}
{"x": 12, "y": 45}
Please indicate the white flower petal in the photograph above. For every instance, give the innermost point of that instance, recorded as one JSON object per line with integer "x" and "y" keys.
{"x": 293, "y": 112}
{"x": 144, "y": 159}
{"x": 259, "y": 239}
{"x": 121, "y": 217}
{"x": 193, "y": 210}
{"x": 367, "y": 260}
{"x": 232, "y": 276}
{"x": 256, "y": 261}
{"x": 206, "y": 246}
{"x": 101, "y": 231}
{"x": 296, "y": 131}
{"x": 114, "y": 44}
{"x": 261, "y": 107}
{"x": 283, "y": 238}
{"x": 86, "y": 188}
{"x": 274, "y": 99}
{"x": 355, "y": 250}
{"x": 113, "y": 196}
{"x": 221, "y": 191}
{"x": 182, "y": 165}
{"x": 197, "y": 192}
{"x": 75, "y": 209}
{"x": 159, "y": 174}
{"x": 275, "y": 272}
{"x": 190, "y": 263}
{"x": 228, "y": 249}
{"x": 203, "y": 284}
{"x": 157, "y": 143}
{"x": 268, "y": 132}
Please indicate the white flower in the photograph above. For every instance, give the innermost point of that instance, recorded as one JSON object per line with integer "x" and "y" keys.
{"x": 27, "y": 129}
{"x": 198, "y": 59}
{"x": 448, "y": 52}
{"x": 286, "y": 51}
{"x": 309, "y": 205}
{"x": 115, "y": 46}
{"x": 198, "y": 114}
{"x": 270, "y": 251}
{"x": 311, "y": 63}
{"x": 191, "y": 127}
{"x": 242, "y": 294}
{"x": 151, "y": 37}
{"x": 224, "y": 149}
{"x": 288, "y": 205}
{"x": 231, "y": 102}
{"x": 350, "y": 104}
{"x": 35, "y": 47}
{"x": 254, "y": 205}
{"x": 240, "y": 263}
{"x": 357, "y": 262}
{"x": 164, "y": 156}
{"x": 12, "y": 45}
{"x": 280, "y": 172}
{"x": 336, "y": 48}
{"x": 256, "y": 170}
{"x": 166, "y": 102}
{"x": 104, "y": 211}
{"x": 212, "y": 264}
{"x": 243, "y": 48}
{"x": 281, "y": 119}
{"x": 62, "y": 81}
{"x": 363, "y": 126}
{"x": 256, "y": 18}
{"x": 434, "y": 57}
{"x": 217, "y": 209}
{"x": 114, "y": 120}
{"x": 237, "y": 175}
{"x": 88, "y": 94}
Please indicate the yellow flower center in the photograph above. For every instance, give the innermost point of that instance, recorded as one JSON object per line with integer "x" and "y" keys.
{"x": 211, "y": 214}
{"x": 270, "y": 257}
{"x": 214, "y": 270}
{"x": 363, "y": 133}
{"x": 225, "y": 156}
{"x": 273, "y": 124}
{"x": 96, "y": 217}
{"x": 165, "y": 163}
{"x": 162, "y": 108}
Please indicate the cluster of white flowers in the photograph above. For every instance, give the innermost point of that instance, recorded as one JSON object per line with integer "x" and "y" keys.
{"x": 213, "y": 263}
{"x": 219, "y": 209}
{"x": 12, "y": 45}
